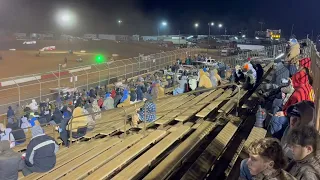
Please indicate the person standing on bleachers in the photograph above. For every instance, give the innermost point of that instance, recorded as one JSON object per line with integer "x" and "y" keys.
{"x": 10, "y": 162}
{"x": 40, "y": 153}
{"x": 306, "y": 158}
{"x": 266, "y": 161}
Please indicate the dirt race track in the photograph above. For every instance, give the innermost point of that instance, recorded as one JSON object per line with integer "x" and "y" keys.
{"x": 24, "y": 62}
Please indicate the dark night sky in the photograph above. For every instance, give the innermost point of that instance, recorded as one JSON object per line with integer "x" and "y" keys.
{"x": 143, "y": 16}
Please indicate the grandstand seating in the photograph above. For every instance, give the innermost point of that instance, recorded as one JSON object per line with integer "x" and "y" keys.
{"x": 162, "y": 150}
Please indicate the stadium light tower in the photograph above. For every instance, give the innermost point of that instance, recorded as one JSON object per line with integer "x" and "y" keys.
{"x": 66, "y": 18}
{"x": 163, "y": 24}
{"x": 196, "y": 25}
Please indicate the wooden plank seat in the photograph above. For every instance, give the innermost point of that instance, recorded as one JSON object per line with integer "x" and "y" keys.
{"x": 98, "y": 155}
{"x": 202, "y": 165}
{"x": 213, "y": 105}
{"x": 175, "y": 111}
{"x": 144, "y": 161}
{"x": 74, "y": 152}
{"x": 255, "y": 134}
{"x": 175, "y": 158}
{"x": 234, "y": 159}
{"x": 193, "y": 109}
{"x": 106, "y": 170}
{"x": 232, "y": 102}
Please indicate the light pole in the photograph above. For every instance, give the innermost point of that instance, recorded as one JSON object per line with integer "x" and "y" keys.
{"x": 59, "y": 86}
{"x": 220, "y": 26}
{"x": 163, "y": 24}
{"x": 209, "y": 24}
{"x": 196, "y": 25}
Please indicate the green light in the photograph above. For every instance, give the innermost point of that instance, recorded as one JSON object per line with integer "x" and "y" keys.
{"x": 99, "y": 59}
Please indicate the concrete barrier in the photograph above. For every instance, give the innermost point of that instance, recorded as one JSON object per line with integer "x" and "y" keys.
{"x": 19, "y": 81}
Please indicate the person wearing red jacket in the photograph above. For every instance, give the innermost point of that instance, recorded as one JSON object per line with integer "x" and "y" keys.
{"x": 301, "y": 82}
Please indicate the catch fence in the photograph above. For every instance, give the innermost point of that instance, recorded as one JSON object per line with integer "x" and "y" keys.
{"x": 42, "y": 86}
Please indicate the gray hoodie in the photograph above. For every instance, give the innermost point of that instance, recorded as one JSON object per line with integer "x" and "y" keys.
{"x": 10, "y": 162}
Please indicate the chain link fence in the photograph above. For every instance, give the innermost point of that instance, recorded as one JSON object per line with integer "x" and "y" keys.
{"x": 86, "y": 77}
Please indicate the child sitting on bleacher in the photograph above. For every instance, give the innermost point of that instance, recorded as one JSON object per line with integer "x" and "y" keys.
{"x": 146, "y": 113}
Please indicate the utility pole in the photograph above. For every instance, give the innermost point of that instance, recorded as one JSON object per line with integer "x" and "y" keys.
{"x": 292, "y": 29}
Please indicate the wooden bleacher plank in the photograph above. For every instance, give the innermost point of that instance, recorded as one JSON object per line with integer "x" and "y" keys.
{"x": 174, "y": 159}
{"x": 192, "y": 110}
{"x": 202, "y": 165}
{"x": 232, "y": 102}
{"x": 145, "y": 160}
{"x": 234, "y": 159}
{"x": 213, "y": 105}
{"x": 98, "y": 161}
{"x": 74, "y": 151}
{"x": 107, "y": 169}
{"x": 175, "y": 111}
{"x": 81, "y": 160}
{"x": 255, "y": 134}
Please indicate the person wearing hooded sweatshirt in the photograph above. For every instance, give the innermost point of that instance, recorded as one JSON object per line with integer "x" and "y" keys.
{"x": 10, "y": 114}
{"x": 10, "y": 162}
{"x": 125, "y": 100}
{"x": 108, "y": 103}
{"x": 139, "y": 91}
{"x": 17, "y": 132}
{"x": 41, "y": 152}
{"x": 78, "y": 125}
{"x": 182, "y": 85}
{"x": 302, "y": 91}
{"x": 57, "y": 116}
{"x": 300, "y": 114}
{"x": 117, "y": 98}
{"x": 6, "y": 135}
{"x": 204, "y": 80}
{"x": 146, "y": 113}
{"x": 306, "y": 158}
{"x": 96, "y": 109}
{"x": 213, "y": 79}
{"x": 133, "y": 95}
{"x": 280, "y": 72}
{"x": 63, "y": 125}
{"x": 33, "y": 105}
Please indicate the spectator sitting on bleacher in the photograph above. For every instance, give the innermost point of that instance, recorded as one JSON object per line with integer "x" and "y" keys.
{"x": 139, "y": 90}
{"x": 306, "y": 158}
{"x": 40, "y": 153}
{"x": 10, "y": 114}
{"x": 33, "y": 105}
{"x": 108, "y": 103}
{"x": 67, "y": 114}
{"x": 146, "y": 113}
{"x": 213, "y": 79}
{"x": 300, "y": 114}
{"x": 6, "y": 135}
{"x": 96, "y": 109}
{"x": 17, "y": 132}
{"x": 204, "y": 80}
{"x": 117, "y": 98}
{"x": 182, "y": 85}
{"x": 78, "y": 125}
{"x": 10, "y": 162}
{"x": 302, "y": 91}
{"x": 25, "y": 124}
{"x": 266, "y": 161}
{"x": 125, "y": 100}
{"x": 57, "y": 116}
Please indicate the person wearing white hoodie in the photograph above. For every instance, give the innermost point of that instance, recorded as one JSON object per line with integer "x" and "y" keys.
{"x": 33, "y": 105}
{"x": 6, "y": 135}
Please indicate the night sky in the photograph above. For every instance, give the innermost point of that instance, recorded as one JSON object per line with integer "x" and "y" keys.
{"x": 144, "y": 16}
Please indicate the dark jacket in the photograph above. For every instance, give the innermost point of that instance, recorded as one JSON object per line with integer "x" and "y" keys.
{"x": 281, "y": 72}
{"x": 17, "y": 132}
{"x": 57, "y": 116}
{"x": 139, "y": 92}
{"x": 10, "y": 162}
{"x": 306, "y": 169}
{"x": 41, "y": 151}
{"x": 117, "y": 99}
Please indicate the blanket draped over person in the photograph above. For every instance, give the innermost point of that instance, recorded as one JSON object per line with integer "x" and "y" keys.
{"x": 77, "y": 121}
{"x": 204, "y": 80}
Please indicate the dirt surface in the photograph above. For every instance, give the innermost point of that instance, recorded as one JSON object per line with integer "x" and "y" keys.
{"x": 24, "y": 61}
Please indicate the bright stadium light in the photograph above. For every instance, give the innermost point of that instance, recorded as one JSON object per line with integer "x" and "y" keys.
{"x": 164, "y": 23}
{"x": 212, "y": 24}
{"x": 220, "y": 26}
{"x": 196, "y": 25}
{"x": 66, "y": 18}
